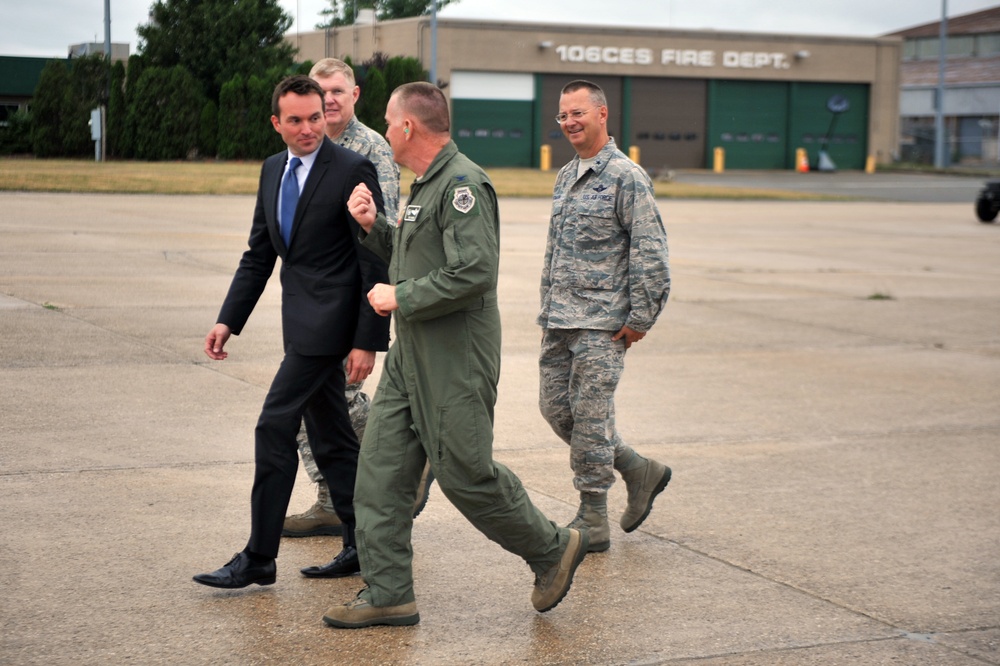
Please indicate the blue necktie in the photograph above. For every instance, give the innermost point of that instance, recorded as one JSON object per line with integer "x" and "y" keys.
{"x": 289, "y": 199}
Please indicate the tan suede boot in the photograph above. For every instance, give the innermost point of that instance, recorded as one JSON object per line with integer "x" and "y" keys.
{"x": 593, "y": 517}
{"x": 317, "y": 520}
{"x": 644, "y": 482}
{"x": 359, "y": 613}
{"x": 552, "y": 586}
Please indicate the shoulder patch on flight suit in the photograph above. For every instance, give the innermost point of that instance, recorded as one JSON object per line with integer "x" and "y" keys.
{"x": 463, "y": 201}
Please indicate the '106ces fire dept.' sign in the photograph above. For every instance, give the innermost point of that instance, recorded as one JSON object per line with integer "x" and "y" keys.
{"x": 624, "y": 55}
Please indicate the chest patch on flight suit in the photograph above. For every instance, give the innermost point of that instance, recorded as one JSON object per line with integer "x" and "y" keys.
{"x": 463, "y": 201}
{"x": 411, "y": 214}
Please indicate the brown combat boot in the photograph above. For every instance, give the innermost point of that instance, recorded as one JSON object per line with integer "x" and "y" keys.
{"x": 644, "y": 482}
{"x": 359, "y": 613}
{"x": 552, "y": 586}
{"x": 593, "y": 517}
{"x": 317, "y": 520}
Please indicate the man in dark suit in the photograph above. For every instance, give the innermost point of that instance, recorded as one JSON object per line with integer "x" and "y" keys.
{"x": 323, "y": 313}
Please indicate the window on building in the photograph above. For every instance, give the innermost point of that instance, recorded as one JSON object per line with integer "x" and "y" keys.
{"x": 961, "y": 46}
{"x": 928, "y": 48}
{"x": 988, "y": 44}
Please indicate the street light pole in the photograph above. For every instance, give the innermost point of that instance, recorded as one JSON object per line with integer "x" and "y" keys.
{"x": 434, "y": 41}
{"x": 940, "y": 145}
{"x": 107, "y": 30}
{"x": 107, "y": 84}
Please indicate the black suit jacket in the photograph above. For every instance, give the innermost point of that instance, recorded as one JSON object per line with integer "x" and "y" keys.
{"x": 325, "y": 273}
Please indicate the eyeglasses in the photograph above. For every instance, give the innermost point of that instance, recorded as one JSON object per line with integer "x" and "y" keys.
{"x": 575, "y": 115}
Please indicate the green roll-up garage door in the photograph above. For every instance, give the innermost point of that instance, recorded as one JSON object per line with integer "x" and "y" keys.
{"x": 812, "y": 121}
{"x": 760, "y": 124}
{"x": 493, "y": 133}
{"x": 492, "y": 116}
{"x": 749, "y": 120}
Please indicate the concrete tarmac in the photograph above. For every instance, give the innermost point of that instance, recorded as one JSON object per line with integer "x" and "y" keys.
{"x": 824, "y": 383}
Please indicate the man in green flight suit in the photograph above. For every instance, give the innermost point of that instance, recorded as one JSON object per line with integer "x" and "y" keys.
{"x": 438, "y": 388}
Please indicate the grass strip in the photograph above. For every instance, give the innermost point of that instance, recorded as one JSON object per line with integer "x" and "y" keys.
{"x": 128, "y": 177}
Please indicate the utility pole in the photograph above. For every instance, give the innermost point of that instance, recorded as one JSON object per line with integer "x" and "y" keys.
{"x": 940, "y": 144}
{"x": 434, "y": 41}
{"x": 107, "y": 30}
{"x": 107, "y": 85}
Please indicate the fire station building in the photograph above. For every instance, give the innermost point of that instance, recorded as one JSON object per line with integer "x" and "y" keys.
{"x": 677, "y": 95}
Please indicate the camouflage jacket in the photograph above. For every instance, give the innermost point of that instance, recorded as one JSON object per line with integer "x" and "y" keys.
{"x": 362, "y": 139}
{"x": 606, "y": 261}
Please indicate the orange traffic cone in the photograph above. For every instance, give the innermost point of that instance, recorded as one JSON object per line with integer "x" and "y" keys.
{"x": 801, "y": 161}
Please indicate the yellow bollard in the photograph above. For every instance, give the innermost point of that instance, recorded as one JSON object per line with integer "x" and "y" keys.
{"x": 719, "y": 160}
{"x": 870, "y": 164}
{"x": 546, "y": 157}
{"x": 633, "y": 153}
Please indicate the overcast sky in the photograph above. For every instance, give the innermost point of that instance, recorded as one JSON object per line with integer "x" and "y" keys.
{"x": 48, "y": 27}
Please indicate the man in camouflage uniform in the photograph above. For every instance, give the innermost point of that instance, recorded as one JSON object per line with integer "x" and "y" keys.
{"x": 605, "y": 281}
{"x": 336, "y": 78}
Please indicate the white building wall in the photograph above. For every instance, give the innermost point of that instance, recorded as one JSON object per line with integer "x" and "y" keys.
{"x": 492, "y": 85}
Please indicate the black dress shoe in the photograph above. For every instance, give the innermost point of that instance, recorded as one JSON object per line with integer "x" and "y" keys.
{"x": 239, "y": 572}
{"x": 345, "y": 564}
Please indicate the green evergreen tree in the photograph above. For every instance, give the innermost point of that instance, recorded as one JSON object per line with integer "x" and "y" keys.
{"x": 377, "y": 78}
{"x": 401, "y": 70}
{"x": 166, "y": 111}
{"x": 208, "y": 130}
{"x": 232, "y": 119}
{"x": 47, "y": 109}
{"x": 182, "y": 131}
{"x": 262, "y": 140}
{"x": 217, "y": 39}
{"x": 15, "y": 136}
{"x": 133, "y": 73}
{"x": 116, "y": 111}
{"x": 374, "y": 98}
{"x": 63, "y": 100}
{"x": 88, "y": 78}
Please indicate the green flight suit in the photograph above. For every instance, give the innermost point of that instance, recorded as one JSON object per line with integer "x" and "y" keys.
{"x": 438, "y": 387}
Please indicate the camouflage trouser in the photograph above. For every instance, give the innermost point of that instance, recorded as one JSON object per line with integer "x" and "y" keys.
{"x": 579, "y": 372}
{"x": 358, "y": 404}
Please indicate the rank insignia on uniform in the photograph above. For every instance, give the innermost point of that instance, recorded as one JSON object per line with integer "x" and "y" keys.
{"x": 463, "y": 201}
